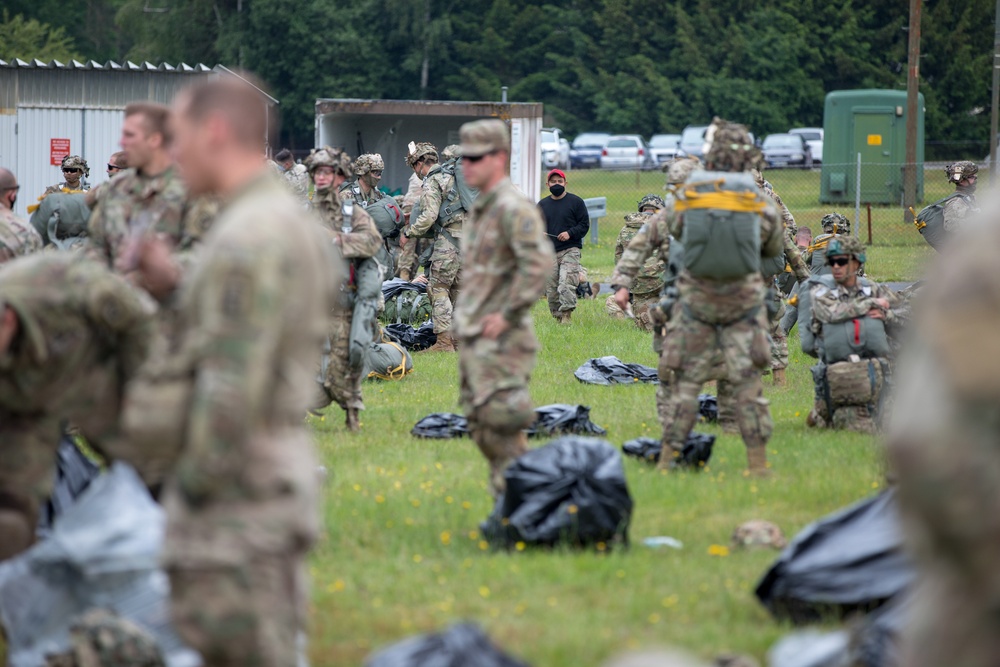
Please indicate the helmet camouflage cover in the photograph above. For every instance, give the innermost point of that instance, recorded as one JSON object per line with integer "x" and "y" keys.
{"x": 653, "y": 200}
{"x": 960, "y": 170}
{"x": 75, "y": 162}
{"x": 731, "y": 148}
{"x": 835, "y": 223}
{"x": 680, "y": 168}
{"x": 329, "y": 157}
{"x": 368, "y": 162}
{"x": 416, "y": 151}
{"x": 846, "y": 245}
{"x": 758, "y": 533}
{"x": 101, "y": 637}
{"x": 451, "y": 152}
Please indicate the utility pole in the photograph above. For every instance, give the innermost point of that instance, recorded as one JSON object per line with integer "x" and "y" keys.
{"x": 996, "y": 97}
{"x": 912, "y": 87}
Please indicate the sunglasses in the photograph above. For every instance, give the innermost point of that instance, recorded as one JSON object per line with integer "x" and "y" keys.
{"x": 112, "y": 167}
{"x": 71, "y": 171}
{"x": 477, "y": 158}
{"x": 838, "y": 261}
{"x": 376, "y": 172}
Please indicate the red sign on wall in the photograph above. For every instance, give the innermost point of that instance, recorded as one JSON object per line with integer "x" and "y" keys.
{"x": 58, "y": 149}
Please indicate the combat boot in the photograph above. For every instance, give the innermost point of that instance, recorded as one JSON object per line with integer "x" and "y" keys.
{"x": 595, "y": 289}
{"x": 779, "y": 377}
{"x": 444, "y": 343}
{"x": 352, "y": 420}
{"x": 757, "y": 461}
{"x": 668, "y": 458}
{"x": 566, "y": 317}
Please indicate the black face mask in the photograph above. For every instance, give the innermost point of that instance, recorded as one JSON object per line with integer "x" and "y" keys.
{"x": 557, "y": 190}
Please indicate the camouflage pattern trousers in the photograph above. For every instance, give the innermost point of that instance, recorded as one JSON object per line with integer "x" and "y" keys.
{"x": 28, "y": 445}
{"x": 407, "y": 262}
{"x": 560, "y": 288}
{"x": 493, "y": 377}
{"x": 341, "y": 383}
{"x": 445, "y": 279}
{"x": 779, "y": 341}
{"x": 733, "y": 353}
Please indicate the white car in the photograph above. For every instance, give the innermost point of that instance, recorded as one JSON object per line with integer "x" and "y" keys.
{"x": 664, "y": 147}
{"x": 813, "y": 137}
{"x": 626, "y": 151}
{"x": 555, "y": 149}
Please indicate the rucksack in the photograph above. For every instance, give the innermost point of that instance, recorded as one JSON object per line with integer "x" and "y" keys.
{"x": 407, "y": 307}
{"x": 930, "y": 221}
{"x": 865, "y": 336}
{"x": 385, "y": 211}
{"x": 62, "y": 219}
{"x": 722, "y": 220}
{"x": 457, "y": 200}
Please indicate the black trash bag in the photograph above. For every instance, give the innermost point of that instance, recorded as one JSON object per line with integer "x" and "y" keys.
{"x": 850, "y": 561}
{"x": 412, "y": 339}
{"x": 391, "y": 288}
{"x": 571, "y": 491}
{"x": 611, "y": 370}
{"x": 464, "y": 645}
{"x": 441, "y": 425}
{"x": 559, "y": 418}
{"x": 697, "y": 450}
{"x": 73, "y": 473}
{"x": 708, "y": 407}
{"x": 875, "y": 641}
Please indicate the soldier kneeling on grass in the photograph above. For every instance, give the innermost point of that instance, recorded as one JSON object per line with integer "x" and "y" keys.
{"x": 850, "y": 322}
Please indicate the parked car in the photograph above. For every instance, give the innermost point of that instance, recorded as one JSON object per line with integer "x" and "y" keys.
{"x": 786, "y": 150}
{"x": 585, "y": 151}
{"x": 626, "y": 151}
{"x": 813, "y": 137}
{"x": 664, "y": 147}
{"x": 693, "y": 140}
{"x": 555, "y": 149}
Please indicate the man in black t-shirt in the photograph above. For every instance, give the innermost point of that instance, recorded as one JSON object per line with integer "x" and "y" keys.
{"x": 566, "y": 222}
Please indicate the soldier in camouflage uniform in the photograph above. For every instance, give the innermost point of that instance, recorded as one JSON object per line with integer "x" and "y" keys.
{"x": 71, "y": 335}
{"x": 850, "y": 300}
{"x": 959, "y": 208}
{"x": 507, "y": 258}
{"x": 16, "y": 236}
{"x": 295, "y": 175}
{"x": 719, "y": 332}
{"x": 647, "y": 285}
{"x": 101, "y": 638}
{"x": 364, "y": 191}
{"x": 242, "y": 505}
{"x": 410, "y": 250}
{"x": 329, "y": 169}
{"x": 446, "y": 257}
{"x": 653, "y": 238}
{"x": 833, "y": 224}
{"x": 75, "y": 172}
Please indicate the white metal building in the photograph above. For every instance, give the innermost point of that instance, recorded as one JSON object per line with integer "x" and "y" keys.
{"x": 49, "y": 110}
{"x": 387, "y": 126}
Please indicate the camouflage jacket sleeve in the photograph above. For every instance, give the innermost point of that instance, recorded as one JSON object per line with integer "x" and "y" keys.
{"x": 794, "y": 256}
{"x": 431, "y": 198}
{"x": 97, "y": 246}
{"x": 534, "y": 254}
{"x": 17, "y": 238}
{"x": 363, "y": 240}
{"x": 122, "y": 317}
{"x": 772, "y": 233}
{"x": 652, "y": 235}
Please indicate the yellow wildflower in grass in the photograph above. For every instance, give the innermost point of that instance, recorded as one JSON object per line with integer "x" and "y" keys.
{"x": 466, "y": 505}
{"x": 357, "y": 487}
{"x": 620, "y": 574}
{"x": 414, "y": 502}
{"x": 552, "y": 602}
{"x": 654, "y": 618}
{"x": 473, "y": 534}
{"x": 380, "y": 498}
{"x": 417, "y": 558}
{"x": 484, "y": 591}
{"x": 483, "y": 545}
{"x": 718, "y": 550}
{"x": 670, "y": 601}
{"x": 520, "y": 609}
{"x": 520, "y": 546}
{"x": 572, "y": 509}
{"x": 445, "y": 538}
{"x": 449, "y": 500}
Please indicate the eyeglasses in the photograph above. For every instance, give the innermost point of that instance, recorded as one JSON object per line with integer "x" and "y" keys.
{"x": 838, "y": 261}
{"x": 477, "y": 158}
{"x": 112, "y": 167}
{"x": 71, "y": 171}
{"x": 376, "y": 172}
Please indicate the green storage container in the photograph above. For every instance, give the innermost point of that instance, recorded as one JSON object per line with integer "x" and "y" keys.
{"x": 872, "y": 123}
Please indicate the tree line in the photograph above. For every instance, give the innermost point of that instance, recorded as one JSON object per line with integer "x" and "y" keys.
{"x": 642, "y": 66}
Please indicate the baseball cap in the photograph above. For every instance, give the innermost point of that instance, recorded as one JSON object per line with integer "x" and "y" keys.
{"x": 555, "y": 172}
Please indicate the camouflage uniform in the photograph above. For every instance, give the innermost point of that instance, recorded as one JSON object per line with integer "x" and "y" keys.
{"x": 959, "y": 208}
{"x": 719, "y": 332}
{"x": 298, "y": 180}
{"x": 507, "y": 258}
{"x": 16, "y": 236}
{"x": 242, "y": 506}
{"x": 71, "y": 162}
{"x": 101, "y": 638}
{"x": 408, "y": 267}
{"x": 82, "y": 332}
{"x": 446, "y": 258}
{"x": 943, "y": 455}
{"x": 833, "y": 224}
{"x": 648, "y": 283}
{"x": 352, "y": 190}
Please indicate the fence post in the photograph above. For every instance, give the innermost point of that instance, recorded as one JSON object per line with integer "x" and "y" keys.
{"x": 857, "y": 202}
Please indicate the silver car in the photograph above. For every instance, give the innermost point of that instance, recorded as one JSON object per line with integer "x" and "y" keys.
{"x": 626, "y": 151}
{"x": 665, "y": 147}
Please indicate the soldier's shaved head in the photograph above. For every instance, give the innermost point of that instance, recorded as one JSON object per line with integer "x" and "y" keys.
{"x": 156, "y": 119}
{"x": 235, "y": 101}
{"x": 7, "y": 180}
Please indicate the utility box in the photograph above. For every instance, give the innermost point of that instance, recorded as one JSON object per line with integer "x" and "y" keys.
{"x": 387, "y": 126}
{"x": 872, "y": 123}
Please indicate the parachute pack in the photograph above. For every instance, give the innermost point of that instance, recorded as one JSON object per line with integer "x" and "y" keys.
{"x": 457, "y": 200}
{"x": 864, "y": 337}
{"x": 722, "y": 216}
{"x": 61, "y": 218}
{"x": 930, "y": 221}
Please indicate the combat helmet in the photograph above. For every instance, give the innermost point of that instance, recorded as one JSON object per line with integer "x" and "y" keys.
{"x": 416, "y": 151}
{"x": 679, "y": 169}
{"x": 100, "y": 637}
{"x": 731, "y": 147}
{"x": 656, "y": 201}
{"x": 451, "y": 152}
{"x": 368, "y": 162}
{"x": 845, "y": 245}
{"x": 835, "y": 223}
{"x": 758, "y": 533}
{"x": 329, "y": 157}
{"x": 75, "y": 162}
{"x": 959, "y": 170}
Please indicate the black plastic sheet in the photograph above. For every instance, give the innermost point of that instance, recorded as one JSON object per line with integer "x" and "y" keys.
{"x": 74, "y": 472}
{"x": 697, "y": 450}
{"x": 850, "y": 561}
{"x": 464, "y": 645}
{"x": 612, "y": 370}
{"x": 550, "y": 420}
{"x": 708, "y": 407}
{"x": 441, "y": 425}
{"x": 412, "y": 339}
{"x": 391, "y": 288}
{"x": 571, "y": 491}
{"x": 875, "y": 643}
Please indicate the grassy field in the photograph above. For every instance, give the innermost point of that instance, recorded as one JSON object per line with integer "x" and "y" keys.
{"x": 402, "y": 553}
{"x": 898, "y": 252}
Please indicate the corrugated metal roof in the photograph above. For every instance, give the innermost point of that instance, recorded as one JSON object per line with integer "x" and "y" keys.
{"x": 110, "y": 65}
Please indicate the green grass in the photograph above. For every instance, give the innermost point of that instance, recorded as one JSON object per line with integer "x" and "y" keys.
{"x": 897, "y": 252}
{"x": 402, "y": 553}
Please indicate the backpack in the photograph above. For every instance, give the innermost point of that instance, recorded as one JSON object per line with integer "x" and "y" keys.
{"x": 61, "y": 219}
{"x": 722, "y": 220}
{"x": 385, "y": 211}
{"x": 407, "y": 307}
{"x": 457, "y": 200}
{"x": 930, "y": 221}
{"x": 865, "y": 337}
